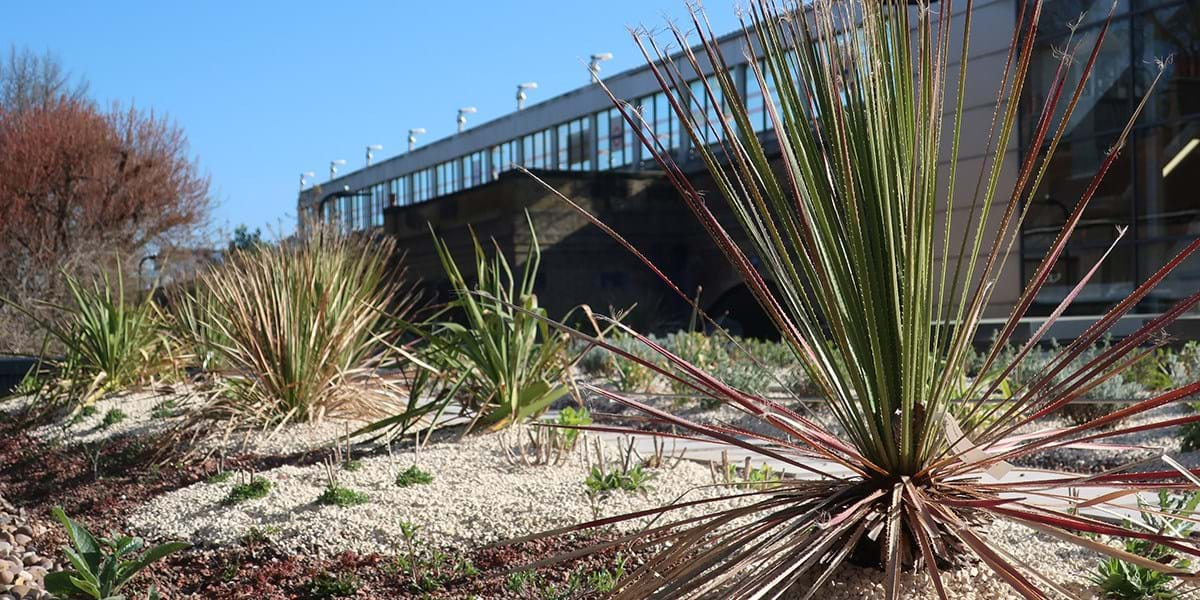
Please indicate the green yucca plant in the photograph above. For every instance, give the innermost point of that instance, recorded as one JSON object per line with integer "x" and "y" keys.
{"x": 511, "y": 362}
{"x": 298, "y": 331}
{"x": 841, "y": 248}
{"x": 111, "y": 341}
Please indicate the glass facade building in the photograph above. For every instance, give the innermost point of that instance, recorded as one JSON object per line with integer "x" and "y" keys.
{"x": 579, "y": 140}
{"x": 1152, "y": 185}
{"x": 1150, "y": 188}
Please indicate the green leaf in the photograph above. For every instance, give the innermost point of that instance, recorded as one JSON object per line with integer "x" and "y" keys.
{"x": 80, "y": 537}
{"x": 59, "y": 583}
{"x": 150, "y": 556}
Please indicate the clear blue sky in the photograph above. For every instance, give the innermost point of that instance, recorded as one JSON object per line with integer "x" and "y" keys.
{"x": 266, "y": 90}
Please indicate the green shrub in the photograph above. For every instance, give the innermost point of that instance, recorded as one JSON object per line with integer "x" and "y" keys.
{"x": 592, "y": 360}
{"x": 413, "y": 476}
{"x": 604, "y": 580}
{"x": 327, "y": 585}
{"x": 32, "y": 382}
{"x": 83, "y": 413}
{"x": 573, "y": 418}
{"x": 1121, "y": 580}
{"x": 168, "y": 408}
{"x": 219, "y": 477}
{"x": 632, "y": 479}
{"x": 113, "y": 416}
{"x": 524, "y": 582}
{"x": 255, "y": 488}
{"x": 342, "y": 497}
{"x": 1183, "y": 365}
{"x": 111, "y": 343}
{"x": 631, "y": 375}
{"x": 511, "y": 361}
{"x": 257, "y": 536}
{"x": 428, "y": 568}
{"x": 102, "y": 567}
{"x": 1152, "y": 373}
{"x": 1190, "y": 432}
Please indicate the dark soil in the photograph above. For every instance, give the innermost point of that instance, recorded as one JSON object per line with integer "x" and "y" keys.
{"x": 262, "y": 573}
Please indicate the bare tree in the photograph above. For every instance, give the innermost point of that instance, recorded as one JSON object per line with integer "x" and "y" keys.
{"x": 29, "y": 80}
{"x": 79, "y": 187}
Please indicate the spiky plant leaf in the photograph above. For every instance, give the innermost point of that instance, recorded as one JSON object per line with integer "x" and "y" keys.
{"x": 839, "y": 240}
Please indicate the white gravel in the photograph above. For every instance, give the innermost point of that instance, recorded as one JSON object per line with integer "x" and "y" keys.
{"x": 292, "y": 439}
{"x": 139, "y": 418}
{"x": 476, "y": 497}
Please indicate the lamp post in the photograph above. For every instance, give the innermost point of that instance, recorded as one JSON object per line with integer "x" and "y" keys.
{"x": 141, "y": 263}
{"x": 594, "y": 66}
{"x": 412, "y": 137}
{"x": 521, "y": 95}
{"x": 304, "y": 178}
{"x": 462, "y": 116}
{"x": 371, "y": 150}
{"x": 333, "y": 165}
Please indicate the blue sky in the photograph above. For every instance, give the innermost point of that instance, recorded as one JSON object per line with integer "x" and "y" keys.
{"x": 266, "y": 90}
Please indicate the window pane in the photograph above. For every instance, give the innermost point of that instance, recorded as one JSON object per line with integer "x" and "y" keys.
{"x": 664, "y": 122}
{"x": 1107, "y": 99}
{"x": 602, "y": 150}
{"x": 713, "y": 128}
{"x": 1183, "y": 281}
{"x": 1069, "y": 175}
{"x": 754, "y": 100}
{"x": 1113, "y": 282}
{"x": 1058, "y": 15}
{"x": 578, "y": 145}
{"x": 1174, "y": 32}
{"x": 1168, "y": 162}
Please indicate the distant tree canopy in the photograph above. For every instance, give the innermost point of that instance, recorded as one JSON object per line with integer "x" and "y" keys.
{"x": 81, "y": 183}
{"x": 244, "y": 240}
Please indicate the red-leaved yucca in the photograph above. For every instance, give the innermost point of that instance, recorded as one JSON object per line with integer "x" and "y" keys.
{"x": 842, "y": 249}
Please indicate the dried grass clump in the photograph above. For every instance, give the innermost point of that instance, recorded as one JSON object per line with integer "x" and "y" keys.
{"x": 298, "y": 331}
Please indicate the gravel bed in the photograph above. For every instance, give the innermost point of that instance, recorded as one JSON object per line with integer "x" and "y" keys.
{"x": 476, "y": 497}
{"x": 1065, "y": 564}
{"x": 292, "y": 439}
{"x": 1152, "y": 442}
{"x": 140, "y": 419}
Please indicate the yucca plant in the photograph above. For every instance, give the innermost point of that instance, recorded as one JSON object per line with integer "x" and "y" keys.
{"x": 300, "y": 330}
{"x": 111, "y": 340}
{"x": 512, "y": 364}
{"x": 842, "y": 249}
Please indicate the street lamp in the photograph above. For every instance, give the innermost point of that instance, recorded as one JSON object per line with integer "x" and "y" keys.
{"x": 304, "y": 180}
{"x": 412, "y": 137}
{"x": 594, "y": 66}
{"x": 333, "y": 165}
{"x": 521, "y": 87}
{"x": 370, "y": 149}
{"x": 462, "y": 116}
